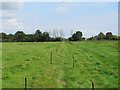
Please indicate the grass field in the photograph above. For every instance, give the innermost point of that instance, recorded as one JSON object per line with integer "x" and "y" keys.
{"x": 95, "y": 61}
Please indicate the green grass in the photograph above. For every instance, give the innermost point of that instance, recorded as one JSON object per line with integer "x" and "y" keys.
{"x": 95, "y": 61}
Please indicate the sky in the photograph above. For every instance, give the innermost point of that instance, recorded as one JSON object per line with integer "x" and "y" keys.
{"x": 90, "y": 18}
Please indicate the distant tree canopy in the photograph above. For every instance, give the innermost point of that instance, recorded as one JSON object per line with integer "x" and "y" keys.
{"x": 108, "y": 36}
{"x": 20, "y": 36}
{"x": 100, "y": 36}
{"x": 76, "y": 36}
{"x": 38, "y": 36}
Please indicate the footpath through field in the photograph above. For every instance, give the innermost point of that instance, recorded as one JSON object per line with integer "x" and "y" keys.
{"x": 93, "y": 63}
{"x": 76, "y": 76}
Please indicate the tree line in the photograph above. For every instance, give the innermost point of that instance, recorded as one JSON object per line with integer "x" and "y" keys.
{"x": 20, "y": 36}
{"x": 38, "y": 36}
{"x": 107, "y": 36}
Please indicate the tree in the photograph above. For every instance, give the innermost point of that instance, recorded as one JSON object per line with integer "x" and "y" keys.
{"x": 83, "y": 38}
{"x": 11, "y": 37}
{"x": 115, "y": 37}
{"x": 0, "y": 35}
{"x": 19, "y": 36}
{"x": 38, "y": 36}
{"x": 58, "y": 39}
{"x": 45, "y": 36}
{"x": 61, "y": 34}
{"x": 108, "y": 35}
{"x": 77, "y": 36}
{"x": 70, "y": 39}
{"x": 100, "y": 36}
{"x": 95, "y": 38}
{"x": 55, "y": 33}
{"x": 3, "y": 35}
{"x": 91, "y": 38}
{"x": 72, "y": 32}
{"x": 50, "y": 33}
{"x": 29, "y": 38}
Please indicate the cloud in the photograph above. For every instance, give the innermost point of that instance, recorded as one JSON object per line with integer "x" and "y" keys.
{"x": 84, "y": 4}
{"x": 9, "y": 20}
{"x": 12, "y": 24}
{"x": 12, "y": 5}
{"x": 8, "y": 15}
{"x": 64, "y": 8}
{"x": 61, "y": 10}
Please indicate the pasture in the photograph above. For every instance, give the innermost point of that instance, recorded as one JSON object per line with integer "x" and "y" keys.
{"x": 94, "y": 61}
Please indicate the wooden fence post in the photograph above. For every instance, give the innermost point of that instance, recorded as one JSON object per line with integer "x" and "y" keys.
{"x": 56, "y": 49}
{"x": 92, "y": 86}
{"x": 73, "y": 60}
{"x": 51, "y": 59}
{"x": 25, "y": 83}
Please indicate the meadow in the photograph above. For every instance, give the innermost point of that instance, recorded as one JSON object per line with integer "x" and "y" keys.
{"x": 95, "y": 61}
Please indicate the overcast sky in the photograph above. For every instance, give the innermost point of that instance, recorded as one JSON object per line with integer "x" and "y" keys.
{"x": 88, "y": 17}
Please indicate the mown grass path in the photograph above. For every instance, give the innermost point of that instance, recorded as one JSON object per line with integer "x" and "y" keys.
{"x": 95, "y": 61}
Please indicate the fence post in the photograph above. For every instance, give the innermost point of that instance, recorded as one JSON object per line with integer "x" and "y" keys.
{"x": 51, "y": 58}
{"x": 92, "y": 86}
{"x": 25, "y": 83}
{"x": 73, "y": 60}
